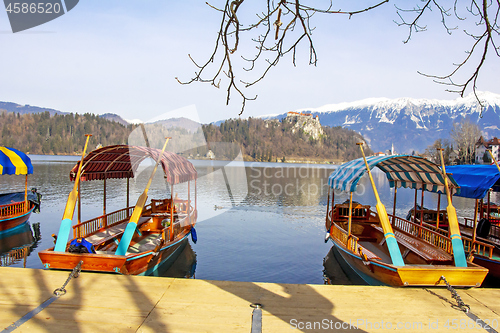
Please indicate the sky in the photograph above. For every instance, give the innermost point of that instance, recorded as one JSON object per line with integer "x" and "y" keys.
{"x": 122, "y": 56}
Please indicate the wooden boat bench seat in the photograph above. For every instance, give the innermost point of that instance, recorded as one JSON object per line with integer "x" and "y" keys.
{"x": 419, "y": 247}
{"x": 149, "y": 243}
{"x": 111, "y": 233}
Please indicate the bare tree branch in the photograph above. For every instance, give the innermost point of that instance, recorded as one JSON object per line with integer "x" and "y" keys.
{"x": 485, "y": 14}
{"x": 285, "y": 26}
{"x": 292, "y": 26}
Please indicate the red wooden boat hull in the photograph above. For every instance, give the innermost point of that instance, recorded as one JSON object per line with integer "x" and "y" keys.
{"x": 9, "y": 222}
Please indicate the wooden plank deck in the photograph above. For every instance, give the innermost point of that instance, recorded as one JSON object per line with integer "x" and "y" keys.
{"x": 115, "y": 303}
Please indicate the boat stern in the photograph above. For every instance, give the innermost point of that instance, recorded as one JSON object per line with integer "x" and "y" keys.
{"x": 430, "y": 275}
{"x": 109, "y": 263}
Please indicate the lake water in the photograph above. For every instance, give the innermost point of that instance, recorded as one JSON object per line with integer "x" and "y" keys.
{"x": 261, "y": 222}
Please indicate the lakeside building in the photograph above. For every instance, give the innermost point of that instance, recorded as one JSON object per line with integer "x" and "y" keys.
{"x": 482, "y": 145}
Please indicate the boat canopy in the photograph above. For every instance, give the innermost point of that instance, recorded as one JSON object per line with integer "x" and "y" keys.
{"x": 14, "y": 162}
{"x": 475, "y": 180}
{"x": 122, "y": 161}
{"x": 401, "y": 171}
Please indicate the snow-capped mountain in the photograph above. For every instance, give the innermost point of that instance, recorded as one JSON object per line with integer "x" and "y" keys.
{"x": 408, "y": 123}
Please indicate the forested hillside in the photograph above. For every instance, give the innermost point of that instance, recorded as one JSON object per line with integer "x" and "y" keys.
{"x": 40, "y": 133}
{"x": 260, "y": 140}
{"x": 272, "y": 140}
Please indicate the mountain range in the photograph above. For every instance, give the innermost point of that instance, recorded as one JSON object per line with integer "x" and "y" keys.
{"x": 23, "y": 109}
{"x": 27, "y": 109}
{"x": 407, "y": 123}
{"x": 181, "y": 122}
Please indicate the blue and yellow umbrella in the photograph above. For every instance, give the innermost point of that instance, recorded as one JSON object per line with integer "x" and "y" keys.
{"x": 14, "y": 162}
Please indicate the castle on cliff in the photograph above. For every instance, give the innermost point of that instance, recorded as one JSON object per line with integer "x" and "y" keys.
{"x": 307, "y": 122}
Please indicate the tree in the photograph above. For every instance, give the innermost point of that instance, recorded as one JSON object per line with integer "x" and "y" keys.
{"x": 281, "y": 26}
{"x": 433, "y": 151}
{"x": 465, "y": 135}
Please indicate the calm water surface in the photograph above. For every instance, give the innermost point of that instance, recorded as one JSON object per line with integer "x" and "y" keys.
{"x": 260, "y": 222}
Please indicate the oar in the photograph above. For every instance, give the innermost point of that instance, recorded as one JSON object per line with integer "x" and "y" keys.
{"x": 390, "y": 239}
{"x": 136, "y": 214}
{"x": 64, "y": 228}
{"x": 456, "y": 239}
{"x": 494, "y": 160}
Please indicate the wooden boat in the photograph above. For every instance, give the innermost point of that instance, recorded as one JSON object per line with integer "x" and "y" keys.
{"x": 432, "y": 217}
{"x": 481, "y": 239}
{"x": 16, "y": 207}
{"x": 372, "y": 249}
{"x": 489, "y": 210}
{"x": 133, "y": 240}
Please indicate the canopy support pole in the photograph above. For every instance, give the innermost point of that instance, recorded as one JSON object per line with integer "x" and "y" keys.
{"x": 454, "y": 229}
{"x": 394, "y": 202}
{"x": 475, "y": 225}
{"x": 415, "y": 208}
{"x": 79, "y": 205}
{"x": 390, "y": 239}
{"x": 438, "y": 214}
{"x": 498, "y": 167}
{"x": 488, "y": 209}
{"x": 481, "y": 213}
{"x": 189, "y": 202}
{"x": 422, "y": 207}
{"x": 128, "y": 197}
{"x": 26, "y": 194}
{"x": 349, "y": 221}
{"x": 104, "y": 197}
{"x": 172, "y": 212}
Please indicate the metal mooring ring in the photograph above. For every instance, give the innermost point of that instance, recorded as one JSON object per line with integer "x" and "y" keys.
{"x": 59, "y": 292}
{"x": 256, "y": 305}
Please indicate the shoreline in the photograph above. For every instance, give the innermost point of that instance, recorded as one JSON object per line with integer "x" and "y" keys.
{"x": 295, "y": 160}
{"x": 71, "y": 158}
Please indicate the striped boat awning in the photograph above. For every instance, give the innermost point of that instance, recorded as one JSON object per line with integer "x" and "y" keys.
{"x": 401, "y": 171}
{"x": 122, "y": 161}
{"x": 14, "y": 162}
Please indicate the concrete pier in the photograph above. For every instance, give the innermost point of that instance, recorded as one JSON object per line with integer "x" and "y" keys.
{"x": 116, "y": 303}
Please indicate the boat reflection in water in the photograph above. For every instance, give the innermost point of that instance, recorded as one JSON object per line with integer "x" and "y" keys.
{"x": 334, "y": 273}
{"x": 183, "y": 265}
{"x": 16, "y": 244}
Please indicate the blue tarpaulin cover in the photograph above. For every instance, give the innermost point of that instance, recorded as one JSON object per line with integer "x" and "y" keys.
{"x": 475, "y": 180}
{"x": 16, "y": 197}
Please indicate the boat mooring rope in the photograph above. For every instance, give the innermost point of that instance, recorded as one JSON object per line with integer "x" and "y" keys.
{"x": 57, "y": 293}
{"x": 465, "y": 307}
{"x": 256, "y": 318}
